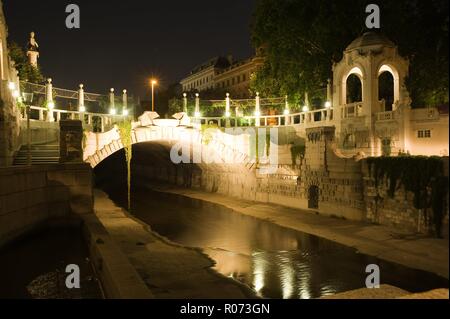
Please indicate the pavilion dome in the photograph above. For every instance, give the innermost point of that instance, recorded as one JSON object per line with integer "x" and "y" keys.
{"x": 370, "y": 39}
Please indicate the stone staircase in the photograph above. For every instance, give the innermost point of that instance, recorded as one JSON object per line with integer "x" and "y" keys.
{"x": 41, "y": 154}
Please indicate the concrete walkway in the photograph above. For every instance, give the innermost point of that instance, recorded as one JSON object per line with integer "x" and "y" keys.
{"x": 169, "y": 270}
{"x": 414, "y": 251}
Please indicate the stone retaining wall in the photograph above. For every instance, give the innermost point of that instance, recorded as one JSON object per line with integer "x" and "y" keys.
{"x": 398, "y": 211}
{"x": 33, "y": 195}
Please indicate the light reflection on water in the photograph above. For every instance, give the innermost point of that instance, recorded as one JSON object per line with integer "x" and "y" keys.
{"x": 276, "y": 262}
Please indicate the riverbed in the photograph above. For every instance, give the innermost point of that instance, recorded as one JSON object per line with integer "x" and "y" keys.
{"x": 276, "y": 262}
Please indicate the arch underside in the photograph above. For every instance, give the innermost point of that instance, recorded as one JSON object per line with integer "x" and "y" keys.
{"x": 218, "y": 151}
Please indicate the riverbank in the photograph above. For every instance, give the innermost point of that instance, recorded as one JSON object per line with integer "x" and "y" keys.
{"x": 410, "y": 250}
{"x": 169, "y": 270}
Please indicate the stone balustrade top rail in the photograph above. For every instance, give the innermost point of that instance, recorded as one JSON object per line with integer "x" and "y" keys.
{"x": 63, "y": 93}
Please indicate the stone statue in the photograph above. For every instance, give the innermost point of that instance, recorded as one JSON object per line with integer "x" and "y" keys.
{"x": 32, "y": 44}
{"x": 33, "y": 51}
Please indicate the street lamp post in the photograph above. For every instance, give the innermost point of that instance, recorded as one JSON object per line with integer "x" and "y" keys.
{"x": 154, "y": 82}
{"x": 28, "y": 99}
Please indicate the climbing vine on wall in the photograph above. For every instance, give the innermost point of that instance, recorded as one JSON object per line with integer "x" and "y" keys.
{"x": 268, "y": 144}
{"x": 125, "y": 136}
{"x": 421, "y": 175}
{"x": 297, "y": 151}
{"x": 207, "y": 132}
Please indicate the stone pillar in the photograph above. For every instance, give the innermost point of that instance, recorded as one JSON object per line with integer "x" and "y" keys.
{"x": 329, "y": 92}
{"x": 286, "y": 111}
{"x": 112, "y": 104}
{"x": 257, "y": 110}
{"x": 70, "y": 141}
{"x": 124, "y": 103}
{"x": 307, "y": 100}
{"x": 81, "y": 107}
{"x": 185, "y": 110}
{"x": 227, "y": 110}
{"x": 197, "y": 105}
{"x": 306, "y": 109}
{"x": 49, "y": 100}
{"x": 49, "y": 90}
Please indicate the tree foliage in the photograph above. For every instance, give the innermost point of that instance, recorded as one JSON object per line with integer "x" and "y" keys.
{"x": 302, "y": 38}
{"x": 26, "y": 71}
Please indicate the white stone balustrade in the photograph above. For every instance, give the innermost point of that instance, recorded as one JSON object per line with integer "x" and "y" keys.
{"x": 106, "y": 119}
{"x": 351, "y": 110}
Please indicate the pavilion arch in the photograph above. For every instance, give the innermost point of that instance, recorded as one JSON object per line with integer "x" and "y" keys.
{"x": 354, "y": 71}
{"x": 395, "y": 75}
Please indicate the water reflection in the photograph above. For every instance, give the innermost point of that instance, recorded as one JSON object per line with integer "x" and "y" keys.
{"x": 276, "y": 262}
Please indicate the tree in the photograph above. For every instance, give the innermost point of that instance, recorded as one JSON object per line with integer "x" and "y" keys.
{"x": 302, "y": 38}
{"x": 27, "y": 72}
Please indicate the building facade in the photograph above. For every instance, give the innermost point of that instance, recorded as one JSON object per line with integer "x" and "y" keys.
{"x": 223, "y": 75}
{"x": 202, "y": 77}
{"x": 236, "y": 78}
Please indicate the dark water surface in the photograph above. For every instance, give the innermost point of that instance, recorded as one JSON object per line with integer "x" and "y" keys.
{"x": 275, "y": 261}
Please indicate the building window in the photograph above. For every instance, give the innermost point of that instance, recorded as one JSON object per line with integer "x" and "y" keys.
{"x": 424, "y": 134}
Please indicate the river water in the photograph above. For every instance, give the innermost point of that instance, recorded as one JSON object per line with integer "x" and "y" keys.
{"x": 276, "y": 262}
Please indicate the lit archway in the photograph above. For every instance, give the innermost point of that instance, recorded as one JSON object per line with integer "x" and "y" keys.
{"x": 388, "y": 86}
{"x": 353, "y": 82}
{"x": 354, "y": 89}
{"x": 386, "y": 90}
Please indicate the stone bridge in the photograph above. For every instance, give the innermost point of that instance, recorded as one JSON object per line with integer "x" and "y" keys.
{"x": 189, "y": 141}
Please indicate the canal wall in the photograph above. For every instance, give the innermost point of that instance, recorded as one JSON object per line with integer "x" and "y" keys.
{"x": 399, "y": 210}
{"x": 37, "y": 197}
{"x": 322, "y": 181}
{"x": 31, "y": 196}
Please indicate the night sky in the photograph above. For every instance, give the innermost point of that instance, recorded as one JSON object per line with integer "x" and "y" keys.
{"x": 122, "y": 44}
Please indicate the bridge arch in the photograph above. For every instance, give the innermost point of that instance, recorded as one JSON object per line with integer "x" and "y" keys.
{"x": 99, "y": 146}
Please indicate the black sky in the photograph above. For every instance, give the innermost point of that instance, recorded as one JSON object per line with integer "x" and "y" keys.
{"x": 121, "y": 44}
